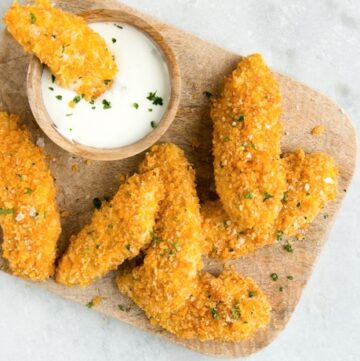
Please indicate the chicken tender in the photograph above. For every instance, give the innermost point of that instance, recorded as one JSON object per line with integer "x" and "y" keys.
{"x": 28, "y": 212}
{"x": 76, "y": 55}
{"x": 225, "y": 308}
{"x": 249, "y": 176}
{"x": 118, "y": 231}
{"x": 225, "y": 239}
{"x": 312, "y": 181}
{"x": 168, "y": 275}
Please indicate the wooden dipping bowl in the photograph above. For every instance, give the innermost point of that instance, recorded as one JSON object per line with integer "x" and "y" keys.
{"x": 45, "y": 122}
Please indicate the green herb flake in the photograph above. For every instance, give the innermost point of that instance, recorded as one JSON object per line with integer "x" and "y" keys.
{"x": 113, "y": 40}
{"x": 153, "y": 124}
{"x": 51, "y": 88}
{"x": 150, "y": 110}
{"x": 251, "y": 294}
{"x": 298, "y": 205}
{"x": 53, "y": 78}
{"x": 128, "y": 247}
{"x": 59, "y": 97}
{"x": 32, "y": 18}
{"x": 156, "y": 100}
{"x": 235, "y": 311}
{"x": 279, "y": 235}
{"x": 214, "y": 313}
{"x": 97, "y": 203}
{"x": 274, "y": 276}
{"x": 290, "y": 278}
{"x": 136, "y": 105}
{"x": 106, "y": 104}
{"x": 226, "y": 139}
{"x": 68, "y": 115}
{"x": 6, "y": 211}
{"x": 326, "y": 216}
{"x": 241, "y": 118}
{"x": 20, "y": 176}
{"x": 90, "y": 304}
{"x": 176, "y": 245}
{"x": 106, "y": 82}
{"x": 249, "y": 195}
{"x": 77, "y": 99}
{"x": 92, "y": 101}
{"x": 281, "y": 289}
{"x": 118, "y": 26}
{"x": 285, "y": 197}
{"x": 121, "y": 308}
{"x": 207, "y": 94}
{"x": 28, "y": 191}
{"x": 267, "y": 196}
{"x": 288, "y": 248}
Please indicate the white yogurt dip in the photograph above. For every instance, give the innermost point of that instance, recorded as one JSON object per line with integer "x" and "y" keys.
{"x": 130, "y": 109}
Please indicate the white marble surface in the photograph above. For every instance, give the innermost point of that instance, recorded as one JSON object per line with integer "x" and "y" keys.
{"x": 316, "y": 42}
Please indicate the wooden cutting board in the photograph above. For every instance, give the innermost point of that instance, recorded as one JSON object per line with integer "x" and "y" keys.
{"x": 203, "y": 67}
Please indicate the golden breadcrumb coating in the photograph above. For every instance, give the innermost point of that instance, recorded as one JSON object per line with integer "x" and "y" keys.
{"x": 225, "y": 239}
{"x": 225, "y": 308}
{"x": 249, "y": 176}
{"x": 312, "y": 181}
{"x": 167, "y": 278}
{"x": 118, "y": 231}
{"x": 76, "y": 55}
{"x": 28, "y": 212}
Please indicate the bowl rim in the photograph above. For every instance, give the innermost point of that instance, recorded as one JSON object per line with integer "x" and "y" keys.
{"x": 45, "y": 122}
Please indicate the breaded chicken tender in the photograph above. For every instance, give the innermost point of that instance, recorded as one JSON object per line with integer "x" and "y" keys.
{"x": 250, "y": 179}
{"x": 118, "y": 231}
{"x": 28, "y": 212}
{"x": 312, "y": 181}
{"x": 225, "y": 308}
{"x": 311, "y": 184}
{"x": 76, "y": 55}
{"x": 224, "y": 239}
{"x": 168, "y": 275}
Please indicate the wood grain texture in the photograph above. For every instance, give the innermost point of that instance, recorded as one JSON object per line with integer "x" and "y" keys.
{"x": 203, "y": 67}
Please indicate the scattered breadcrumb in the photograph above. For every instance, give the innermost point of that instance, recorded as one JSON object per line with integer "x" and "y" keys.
{"x": 318, "y": 130}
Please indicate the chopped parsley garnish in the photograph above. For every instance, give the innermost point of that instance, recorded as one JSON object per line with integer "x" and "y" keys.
{"x": 6, "y": 211}
{"x": 113, "y": 40}
{"x": 156, "y": 240}
{"x": 249, "y": 195}
{"x": 235, "y": 311}
{"x": 281, "y": 289}
{"x": 290, "y": 277}
{"x": 288, "y": 248}
{"x": 274, "y": 276}
{"x": 68, "y": 115}
{"x": 150, "y": 110}
{"x": 207, "y": 94}
{"x": 227, "y": 223}
{"x": 97, "y": 203}
{"x": 106, "y": 104}
{"x": 53, "y": 78}
{"x": 118, "y": 26}
{"x": 136, "y": 105}
{"x": 285, "y": 197}
{"x": 51, "y": 88}
{"x": 28, "y": 191}
{"x": 128, "y": 247}
{"x": 241, "y": 117}
{"x": 226, "y": 139}
{"x": 279, "y": 235}
{"x": 59, "y": 97}
{"x": 32, "y": 18}
{"x": 121, "y": 308}
{"x": 93, "y": 107}
{"x": 156, "y": 100}
{"x": 267, "y": 196}
{"x": 77, "y": 99}
{"x": 70, "y": 129}
{"x": 92, "y": 101}
{"x": 176, "y": 245}
{"x": 153, "y": 124}
{"x": 326, "y": 216}
{"x": 251, "y": 294}
{"x": 253, "y": 146}
{"x": 298, "y": 205}
{"x": 214, "y": 313}
{"x": 106, "y": 82}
